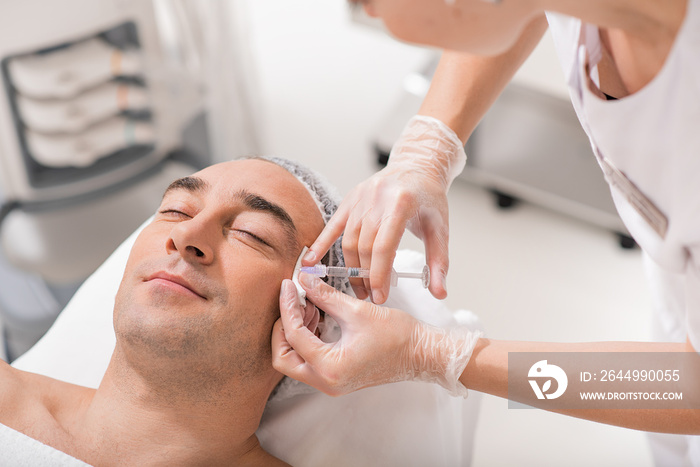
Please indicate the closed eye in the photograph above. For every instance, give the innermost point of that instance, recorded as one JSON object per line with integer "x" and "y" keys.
{"x": 251, "y": 235}
{"x": 173, "y": 212}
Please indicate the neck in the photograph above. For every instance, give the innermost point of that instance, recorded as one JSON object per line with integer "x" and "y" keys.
{"x": 637, "y": 36}
{"x": 157, "y": 421}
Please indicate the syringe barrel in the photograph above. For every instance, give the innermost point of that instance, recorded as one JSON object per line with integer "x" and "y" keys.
{"x": 337, "y": 271}
{"x": 317, "y": 270}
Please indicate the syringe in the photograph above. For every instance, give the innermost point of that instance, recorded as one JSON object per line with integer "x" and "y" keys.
{"x": 321, "y": 270}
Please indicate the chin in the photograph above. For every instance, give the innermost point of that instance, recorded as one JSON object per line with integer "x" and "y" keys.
{"x": 161, "y": 332}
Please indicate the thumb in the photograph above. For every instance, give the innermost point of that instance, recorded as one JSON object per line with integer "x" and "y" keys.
{"x": 337, "y": 304}
{"x": 292, "y": 334}
{"x": 330, "y": 233}
{"x": 291, "y": 310}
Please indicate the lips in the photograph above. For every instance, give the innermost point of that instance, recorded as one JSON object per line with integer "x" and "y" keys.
{"x": 175, "y": 282}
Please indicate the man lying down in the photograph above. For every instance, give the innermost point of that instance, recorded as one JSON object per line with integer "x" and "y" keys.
{"x": 191, "y": 370}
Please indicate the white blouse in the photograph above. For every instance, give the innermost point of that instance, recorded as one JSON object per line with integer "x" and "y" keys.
{"x": 648, "y": 145}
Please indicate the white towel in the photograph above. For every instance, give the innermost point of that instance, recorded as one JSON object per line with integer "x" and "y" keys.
{"x": 19, "y": 450}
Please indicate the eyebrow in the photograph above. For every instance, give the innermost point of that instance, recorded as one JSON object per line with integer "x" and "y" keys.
{"x": 191, "y": 184}
{"x": 258, "y": 203}
{"x": 252, "y": 201}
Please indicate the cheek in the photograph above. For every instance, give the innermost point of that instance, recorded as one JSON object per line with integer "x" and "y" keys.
{"x": 257, "y": 293}
{"x": 149, "y": 242}
{"x": 142, "y": 249}
{"x": 252, "y": 312}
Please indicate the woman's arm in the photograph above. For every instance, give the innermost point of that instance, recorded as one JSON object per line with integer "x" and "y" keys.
{"x": 381, "y": 345}
{"x": 487, "y": 372}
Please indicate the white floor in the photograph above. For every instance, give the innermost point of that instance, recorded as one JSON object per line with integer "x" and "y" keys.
{"x": 325, "y": 85}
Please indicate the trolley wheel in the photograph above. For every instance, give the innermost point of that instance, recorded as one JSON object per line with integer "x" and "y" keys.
{"x": 382, "y": 155}
{"x": 505, "y": 201}
{"x": 626, "y": 242}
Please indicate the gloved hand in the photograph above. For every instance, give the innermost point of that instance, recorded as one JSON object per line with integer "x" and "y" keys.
{"x": 411, "y": 191}
{"x": 378, "y": 345}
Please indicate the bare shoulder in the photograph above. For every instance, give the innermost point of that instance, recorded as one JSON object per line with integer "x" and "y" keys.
{"x": 11, "y": 394}
{"x": 27, "y": 398}
{"x": 273, "y": 461}
{"x": 261, "y": 458}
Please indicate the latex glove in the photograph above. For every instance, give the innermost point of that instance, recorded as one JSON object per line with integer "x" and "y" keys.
{"x": 378, "y": 345}
{"x": 410, "y": 192}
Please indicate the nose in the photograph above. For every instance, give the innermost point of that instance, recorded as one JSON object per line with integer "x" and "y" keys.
{"x": 192, "y": 240}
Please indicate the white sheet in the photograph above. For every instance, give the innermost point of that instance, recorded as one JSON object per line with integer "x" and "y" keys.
{"x": 19, "y": 450}
{"x": 400, "y": 424}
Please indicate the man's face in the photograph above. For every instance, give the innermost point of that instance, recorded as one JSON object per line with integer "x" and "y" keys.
{"x": 202, "y": 281}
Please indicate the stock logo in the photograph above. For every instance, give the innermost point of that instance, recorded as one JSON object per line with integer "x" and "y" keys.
{"x": 542, "y": 371}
